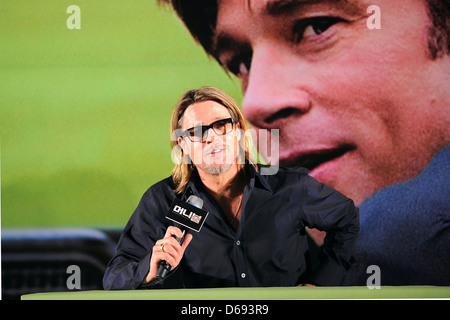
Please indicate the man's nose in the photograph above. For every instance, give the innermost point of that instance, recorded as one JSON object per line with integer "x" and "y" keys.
{"x": 211, "y": 135}
{"x": 276, "y": 89}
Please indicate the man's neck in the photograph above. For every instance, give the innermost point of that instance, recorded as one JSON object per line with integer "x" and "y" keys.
{"x": 224, "y": 185}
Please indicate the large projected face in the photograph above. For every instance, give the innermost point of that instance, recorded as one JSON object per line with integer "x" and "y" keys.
{"x": 362, "y": 108}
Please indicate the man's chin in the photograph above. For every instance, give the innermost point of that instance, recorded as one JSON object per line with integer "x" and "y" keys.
{"x": 216, "y": 169}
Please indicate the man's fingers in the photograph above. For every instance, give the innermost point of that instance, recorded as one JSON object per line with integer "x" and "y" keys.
{"x": 159, "y": 256}
{"x": 169, "y": 242}
{"x": 171, "y": 246}
{"x": 173, "y": 231}
{"x": 169, "y": 253}
{"x": 166, "y": 247}
{"x": 187, "y": 240}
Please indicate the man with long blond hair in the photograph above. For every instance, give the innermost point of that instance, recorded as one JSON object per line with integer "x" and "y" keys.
{"x": 255, "y": 231}
{"x": 183, "y": 166}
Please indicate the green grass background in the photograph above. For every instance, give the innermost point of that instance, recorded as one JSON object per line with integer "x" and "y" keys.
{"x": 84, "y": 114}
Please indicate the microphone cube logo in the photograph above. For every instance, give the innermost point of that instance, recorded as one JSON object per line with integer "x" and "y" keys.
{"x": 192, "y": 216}
{"x": 187, "y": 215}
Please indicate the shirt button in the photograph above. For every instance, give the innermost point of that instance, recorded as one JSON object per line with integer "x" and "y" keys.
{"x": 243, "y": 275}
{"x": 238, "y": 243}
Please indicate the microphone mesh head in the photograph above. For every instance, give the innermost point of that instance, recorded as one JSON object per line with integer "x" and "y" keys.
{"x": 195, "y": 201}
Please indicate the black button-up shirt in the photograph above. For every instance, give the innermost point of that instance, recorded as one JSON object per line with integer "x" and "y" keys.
{"x": 269, "y": 247}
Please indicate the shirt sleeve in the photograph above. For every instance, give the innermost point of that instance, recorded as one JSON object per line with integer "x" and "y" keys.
{"x": 326, "y": 209}
{"x": 131, "y": 263}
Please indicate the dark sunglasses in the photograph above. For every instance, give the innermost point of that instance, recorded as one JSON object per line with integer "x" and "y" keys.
{"x": 200, "y": 133}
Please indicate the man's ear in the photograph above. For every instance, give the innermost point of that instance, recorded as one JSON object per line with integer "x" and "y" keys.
{"x": 238, "y": 132}
{"x": 182, "y": 145}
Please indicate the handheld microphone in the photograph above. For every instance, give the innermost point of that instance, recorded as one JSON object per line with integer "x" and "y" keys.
{"x": 187, "y": 214}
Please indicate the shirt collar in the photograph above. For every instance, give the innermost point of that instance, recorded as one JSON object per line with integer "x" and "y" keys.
{"x": 195, "y": 185}
{"x": 260, "y": 179}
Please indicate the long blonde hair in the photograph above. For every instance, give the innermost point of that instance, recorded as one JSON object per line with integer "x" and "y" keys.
{"x": 183, "y": 168}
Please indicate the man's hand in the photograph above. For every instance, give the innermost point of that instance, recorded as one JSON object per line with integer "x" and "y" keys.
{"x": 167, "y": 249}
